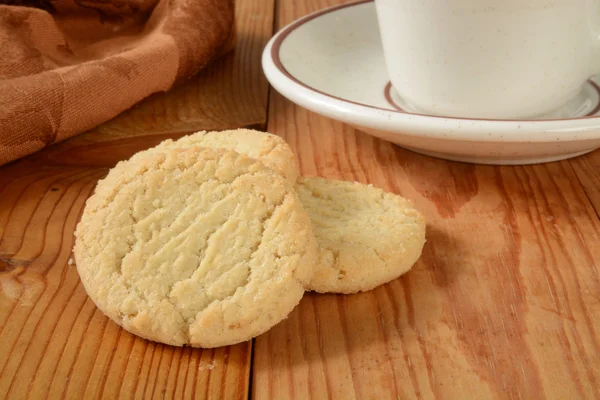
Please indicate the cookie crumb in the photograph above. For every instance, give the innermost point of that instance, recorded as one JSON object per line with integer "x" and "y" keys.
{"x": 208, "y": 366}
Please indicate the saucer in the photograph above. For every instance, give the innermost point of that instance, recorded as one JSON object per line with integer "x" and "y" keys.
{"x": 331, "y": 62}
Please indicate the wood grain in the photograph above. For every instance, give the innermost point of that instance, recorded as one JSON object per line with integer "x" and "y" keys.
{"x": 504, "y": 302}
{"x": 55, "y": 343}
{"x": 587, "y": 169}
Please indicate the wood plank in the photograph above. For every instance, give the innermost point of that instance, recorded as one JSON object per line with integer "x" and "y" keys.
{"x": 55, "y": 343}
{"x": 503, "y": 303}
{"x": 587, "y": 168}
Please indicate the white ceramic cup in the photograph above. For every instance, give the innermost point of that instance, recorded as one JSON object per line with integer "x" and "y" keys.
{"x": 505, "y": 59}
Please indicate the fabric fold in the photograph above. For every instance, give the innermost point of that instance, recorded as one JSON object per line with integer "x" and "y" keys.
{"x": 74, "y": 64}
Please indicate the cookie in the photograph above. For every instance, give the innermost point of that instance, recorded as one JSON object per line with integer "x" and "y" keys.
{"x": 198, "y": 246}
{"x": 272, "y": 150}
{"x": 366, "y": 236}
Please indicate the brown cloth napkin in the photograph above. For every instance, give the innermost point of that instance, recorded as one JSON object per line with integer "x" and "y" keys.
{"x": 69, "y": 65}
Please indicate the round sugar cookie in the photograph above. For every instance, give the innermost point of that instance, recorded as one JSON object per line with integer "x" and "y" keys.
{"x": 366, "y": 236}
{"x": 198, "y": 246}
{"x": 272, "y": 150}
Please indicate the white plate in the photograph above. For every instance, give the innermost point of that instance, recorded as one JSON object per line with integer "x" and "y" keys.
{"x": 331, "y": 62}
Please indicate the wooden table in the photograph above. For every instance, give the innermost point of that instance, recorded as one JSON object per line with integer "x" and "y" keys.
{"x": 504, "y": 303}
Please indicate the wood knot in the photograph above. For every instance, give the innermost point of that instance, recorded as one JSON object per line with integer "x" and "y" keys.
{"x": 12, "y": 266}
